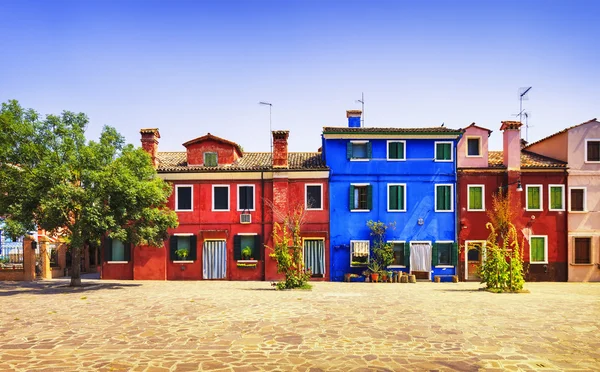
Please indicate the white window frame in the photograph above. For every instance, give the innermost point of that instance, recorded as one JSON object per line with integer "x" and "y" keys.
{"x": 541, "y": 187}
{"x": 483, "y": 243}
{"x": 451, "y": 152}
{"x": 584, "y": 199}
{"x": 586, "y": 151}
{"x": 451, "y": 197}
{"x": 469, "y": 198}
{"x": 253, "y": 198}
{"x": 388, "y": 198}
{"x": 352, "y": 250}
{"x": 359, "y": 143}
{"x": 212, "y": 202}
{"x": 387, "y": 150}
{"x": 397, "y": 242}
{"x": 545, "y": 249}
{"x": 467, "y": 147}
{"x": 116, "y": 262}
{"x": 444, "y": 242}
{"x": 591, "y": 238}
{"x": 550, "y": 196}
{"x": 306, "y": 196}
{"x": 361, "y": 210}
{"x": 324, "y": 249}
{"x": 184, "y": 234}
{"x": 177, "y": 187}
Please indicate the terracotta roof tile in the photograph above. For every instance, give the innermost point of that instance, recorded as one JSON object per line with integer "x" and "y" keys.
{"x": 478, "y": 127}
{"x": 177, "y": 162}
{"x": 528, "y": 160}
{"x": 369, "y": 130}
{"x": 562, "y": 131}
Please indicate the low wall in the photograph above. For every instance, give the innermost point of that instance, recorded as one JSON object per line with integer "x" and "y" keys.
{"x": 12, "y": 275}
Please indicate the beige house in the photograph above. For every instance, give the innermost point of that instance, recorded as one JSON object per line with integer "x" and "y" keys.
{"x": 579, "y": 146}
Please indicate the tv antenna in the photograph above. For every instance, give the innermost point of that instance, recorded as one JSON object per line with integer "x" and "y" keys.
{"x": 362, "y": 102}
{"x": 270, "y": 123}
{"x": 523, "y": 96}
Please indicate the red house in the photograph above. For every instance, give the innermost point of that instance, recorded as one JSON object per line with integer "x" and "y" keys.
{"x": 539, "y": 183}
{"x": 226, "y": 201}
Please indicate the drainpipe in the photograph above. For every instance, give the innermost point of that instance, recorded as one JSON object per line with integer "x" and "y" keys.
{"x": 262, "y": 222}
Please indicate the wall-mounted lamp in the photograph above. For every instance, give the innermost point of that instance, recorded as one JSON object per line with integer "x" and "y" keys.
{"x": 518, "y": 182}
{"x": 420, "y": 221}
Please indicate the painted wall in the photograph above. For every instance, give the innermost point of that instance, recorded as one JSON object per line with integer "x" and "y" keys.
{"x": 555, "y": 147}
{"x": 419, "y": 172}
{"x": 195, "y": 152}
{"x": 465, "y": 161}
{"x": 149, "y": 263}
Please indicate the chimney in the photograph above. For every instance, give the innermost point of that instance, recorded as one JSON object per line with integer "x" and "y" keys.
{"x": 511, "y": 145}
{"x": 353, "y": 118}
{"x": 150, "y": 138}
{"x": 280, "y": 148}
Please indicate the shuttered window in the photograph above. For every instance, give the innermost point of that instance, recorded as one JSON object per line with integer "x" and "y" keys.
{"x": 583, "y": 248}
{"x": 247, "y": 247}
{"x": 183, "y": 247}
{"x": 211, "y": 159}
{"x": 593, "y": 150}
{"x": 443, "y": 198}
{"x": 396, "y": 197}
{"x": 441, "y": 254}
{"x": 537, "y": 249}
{"x": 556, "y": 197}
{"x": 577, "y": 200}
{"x": 359, "y": 150}
{"x": 361, "y": 197}
{"x": 116, "y": 250}
{"x": 398, "y": 249}
{"x": 396, "y": 150}
{"x": 534, "y": 198}
{"x": 246, "y": 197}
{"x": 475, "y": 198}
{"x": 443, "y": 151}
{"x": 314, "y": 256}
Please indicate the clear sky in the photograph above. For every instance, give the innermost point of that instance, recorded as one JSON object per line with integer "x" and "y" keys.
{"x": 192, "y": 67}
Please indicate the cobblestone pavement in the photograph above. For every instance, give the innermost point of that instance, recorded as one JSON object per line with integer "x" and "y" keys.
{"x": 247, "y": 326}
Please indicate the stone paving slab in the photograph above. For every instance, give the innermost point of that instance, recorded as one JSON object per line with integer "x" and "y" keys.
{"x": 247, "y": 326}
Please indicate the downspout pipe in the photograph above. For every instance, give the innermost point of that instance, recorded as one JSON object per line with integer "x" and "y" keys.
{"x": 262, "y": 221}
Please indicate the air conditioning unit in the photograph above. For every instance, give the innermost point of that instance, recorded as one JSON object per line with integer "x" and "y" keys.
{"x": 245, "y": 218}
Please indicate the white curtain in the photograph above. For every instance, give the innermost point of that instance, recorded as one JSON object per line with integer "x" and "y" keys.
{"x": 420, "y": 257}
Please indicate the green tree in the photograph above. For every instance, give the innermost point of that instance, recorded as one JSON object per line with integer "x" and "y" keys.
{"x": 383, "y": 252}
{"x": 51, "y": 177}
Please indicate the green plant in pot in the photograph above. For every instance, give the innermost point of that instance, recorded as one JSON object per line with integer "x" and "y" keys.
{"x": 182, "y": 253}
{"x": 375, "y": 269}
{"x": 246, "y": 253}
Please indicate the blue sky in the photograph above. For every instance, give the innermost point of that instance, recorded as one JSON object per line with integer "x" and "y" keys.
{"x": 191, "y": 67}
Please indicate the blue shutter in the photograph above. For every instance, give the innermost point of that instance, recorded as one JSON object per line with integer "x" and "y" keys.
{"x": 349, "y": 150}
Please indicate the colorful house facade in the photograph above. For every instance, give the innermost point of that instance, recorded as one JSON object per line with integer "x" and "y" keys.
{"x": 539, "y": 185}
{"x": 227, "y": 201}
{"x": 401, "y": 176}
{"x": 579, "y": 147}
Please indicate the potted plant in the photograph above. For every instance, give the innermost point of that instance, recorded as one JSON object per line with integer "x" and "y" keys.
{"x": 367, "y": 275}
{"x": 182, "y": 253}
{"x": 246, "y": 253}
{"x": 375, "y": 268}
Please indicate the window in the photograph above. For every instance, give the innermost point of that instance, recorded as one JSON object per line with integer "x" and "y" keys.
{"x": 314, "y": 197}
{"x": 314, "y": 256}
{"x": 54, "y": 255}
{"x": 577, "y": 200}
{"x": 116, "y": 251}
{"x": 399, "y": 256}
{"x": 246, "y": 247}
{"x": 183, "y": 198}
{"x": 443, "y": 151}
{"x": 395, "y": 150}
{"x": 359, "y": 253}
{"x": 583, "y": 247}
{"x": 358, "y": 150}
{"x": 443, "y": 198}
{"x": 245, "y": 197}
{"x": 220, "y": 198}
{"x": 182, "y": 247}
{"x": 557, "y": 197}
{"x": 592, "y": 150}
{"x": 476, "y": 198}
{"x": 474, "y": 254}
{"x": 211, "y": 159}
{"x": 360, "y": 197}
{"x": 534, "y": 197}
{"x": 396, "y": 197}
{"x": 442, "y": 254}
{"x": 473, "y": 146}
{"x": 538, "y": 249}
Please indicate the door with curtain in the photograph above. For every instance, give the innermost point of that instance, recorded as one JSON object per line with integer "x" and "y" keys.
{"x": 214, "y": 259}
{"x": 420, "y": 257}
{"x": 314, "y": 256}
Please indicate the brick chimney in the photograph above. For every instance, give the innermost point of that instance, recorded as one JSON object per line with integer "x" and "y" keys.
{"x": 511, "y": 144}
{"x": 280, "y": 148}
{"x": 353, "y": 118}
{"x": 150, "y": 138}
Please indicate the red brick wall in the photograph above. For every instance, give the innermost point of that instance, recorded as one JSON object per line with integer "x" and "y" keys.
{"x": 225, "y": 152}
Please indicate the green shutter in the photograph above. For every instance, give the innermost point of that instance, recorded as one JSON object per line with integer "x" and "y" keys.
{"x": 447, "y": 198}
{"x": 193, "y": 255}
{"x": 349, "y": 150}
{"x": 351, "y": 197}
{"x": 475, "y": 198}
{"x": 533, "y": 195}
{"x": 439, "y": 200}
{"x": 392, "y": 150}
{"x": 537, "y": 250}
{"x": 257, "y": 252}
{"x": 369, "y": 150}
{"x": 393, "y": 202}
{"x": 556, "y": 198}
{"x": 127, "y": 251}
{"x": 400, "y": 150}
{"x": 406, "y": 254}
{"x": 434, "y": 254}
{"x": 107, "y": 249}
{"x": 454, "y": 256}
{"x": 173, "y": 248}
{"x": 369, "y": 197}
{"x": 401, "y": 197}
{"x": 237, "y": 247}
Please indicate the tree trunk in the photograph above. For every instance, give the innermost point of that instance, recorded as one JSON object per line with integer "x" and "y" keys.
{"x": 75, "y": 267}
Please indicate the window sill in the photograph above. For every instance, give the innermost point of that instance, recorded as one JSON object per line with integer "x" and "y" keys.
{"x": 184, "y": 210}
{"x": 360, "y": 210}
{"x": 556, "y": 210}
{"x": 220, "y": 210}
{"x": 313, "y": 209}
{"x": 359, "y": 159}
{"x": 443, "y": 161}
{"x": 475, "y": 210}
{"x": 474, "y": 156}
{"x": 247, "y": 261}
{"x": 117, "y": 262}
{"x": 396, "y": 210}
{"x": 396, "y": 159}
{"x": 539, "y": 263}
{"x": 180, "y": 262}
{"x": 444, "y": 267}
{"x": 588, "y": 264}
{"x": 450, "y": 211}
{"x": 533, "y": 210}
{"x": 396, "y": 267}
{"x": 580, "y": 212}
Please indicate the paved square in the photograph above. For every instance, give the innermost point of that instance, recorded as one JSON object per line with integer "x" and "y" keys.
{"x": 246, "y": 326}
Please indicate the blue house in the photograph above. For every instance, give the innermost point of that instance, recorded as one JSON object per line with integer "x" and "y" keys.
{"x": 405, "y": 176}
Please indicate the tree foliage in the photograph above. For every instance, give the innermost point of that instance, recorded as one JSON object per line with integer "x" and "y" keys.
{"x": 51, "y": 177}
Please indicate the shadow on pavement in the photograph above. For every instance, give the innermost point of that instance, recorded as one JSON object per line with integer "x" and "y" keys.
{"x": 57, "y": 287}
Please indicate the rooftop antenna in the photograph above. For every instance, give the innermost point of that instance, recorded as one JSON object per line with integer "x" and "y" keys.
{"x": 270, "y": 122}
{"x": 362, "y": 102}
{"x": 523, "y": 96}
